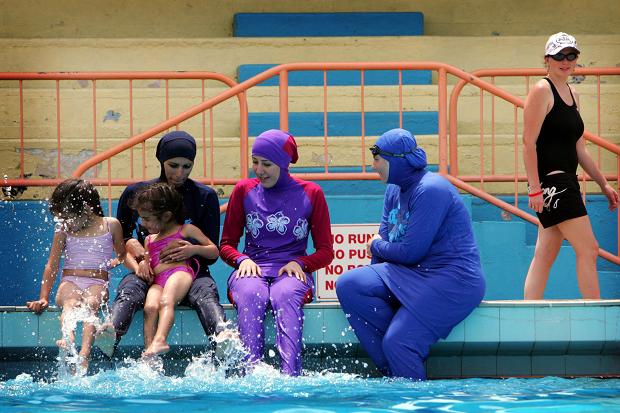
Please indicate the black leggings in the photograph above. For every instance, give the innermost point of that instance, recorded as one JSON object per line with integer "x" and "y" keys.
{"x": 202, "y": 297}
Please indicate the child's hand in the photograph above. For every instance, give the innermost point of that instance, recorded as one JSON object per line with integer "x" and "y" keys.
{"x": 144, "y": 271}
{"x": 113, "y": 263}
{"x": 37, "y": 306}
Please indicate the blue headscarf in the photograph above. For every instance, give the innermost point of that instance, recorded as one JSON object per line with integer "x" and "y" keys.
{"x": 402, "y": 152}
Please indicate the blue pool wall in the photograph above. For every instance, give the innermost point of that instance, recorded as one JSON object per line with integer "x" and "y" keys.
{"x": 506, "y": 246}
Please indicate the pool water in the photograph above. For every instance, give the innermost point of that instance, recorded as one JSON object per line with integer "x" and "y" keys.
{"x": 134, "y": 387}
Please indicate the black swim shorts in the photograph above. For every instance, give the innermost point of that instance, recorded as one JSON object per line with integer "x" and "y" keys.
{"x": 562, "y": 199}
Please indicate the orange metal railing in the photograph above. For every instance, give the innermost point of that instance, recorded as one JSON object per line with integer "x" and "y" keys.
{"x": 206, "y": 139}
{"x": 447, "y": 148}
{"x": 518, "y": 177}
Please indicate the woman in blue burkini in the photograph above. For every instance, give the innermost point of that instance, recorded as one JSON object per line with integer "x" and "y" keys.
{"x": 425, "y": 275}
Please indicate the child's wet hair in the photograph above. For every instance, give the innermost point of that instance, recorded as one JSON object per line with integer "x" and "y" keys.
{"x": 159, "y": 198}
{"x": 72, "y": 196}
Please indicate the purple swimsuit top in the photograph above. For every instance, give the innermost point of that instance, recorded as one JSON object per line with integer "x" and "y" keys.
{"x": 155, "y": 247}
{"x": 89, "y": 253}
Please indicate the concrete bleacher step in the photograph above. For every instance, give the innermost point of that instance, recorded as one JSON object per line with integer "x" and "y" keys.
{"x": 328, "y": 24}
{"x": 345, "y": 123}
{"x": 337, "y": 77}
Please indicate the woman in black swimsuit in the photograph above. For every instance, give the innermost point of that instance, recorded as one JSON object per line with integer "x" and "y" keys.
{"x": 553, "y": 147}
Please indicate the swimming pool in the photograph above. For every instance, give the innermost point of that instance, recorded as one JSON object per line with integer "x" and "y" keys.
{"x": 134, "y": 387}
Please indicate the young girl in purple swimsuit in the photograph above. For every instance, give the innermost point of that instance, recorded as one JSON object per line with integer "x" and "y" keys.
{"x": 160, "y": 207}
{"x": 87, "y": 239}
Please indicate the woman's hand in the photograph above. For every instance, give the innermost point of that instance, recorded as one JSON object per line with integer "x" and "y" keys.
{"x": 134, "y": 248}
{"x": 177, "y": 250}
{"x": 537, "y": 201}
{"x": 369, "y": 243}
{"x": 248, "y": 268}
{"x": 612, "y": 196}
{"x": 37, "y": 306}
{"x": 293, "y": 269}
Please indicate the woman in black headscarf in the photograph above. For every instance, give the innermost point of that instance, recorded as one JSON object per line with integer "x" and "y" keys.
{"x": 176, "y": 152}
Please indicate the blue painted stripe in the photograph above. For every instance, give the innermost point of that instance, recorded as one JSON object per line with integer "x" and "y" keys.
{"x": 338, "y": 77}
{"x": 328, "y": 24}
{"x": 345, "y": 123}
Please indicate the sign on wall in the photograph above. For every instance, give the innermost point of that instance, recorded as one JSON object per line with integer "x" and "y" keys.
{"x": 349, "y": 252}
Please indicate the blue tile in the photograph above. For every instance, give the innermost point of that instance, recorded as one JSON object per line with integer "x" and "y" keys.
{"x": 587, "y": 330}
{"x": 270, "y": 329}
{"x": 511, "y": 366}
{"x": 49, "y": 328}
{"x": 451, "y": 345}
{"x": 345, "y": 123}
{"x": 548, "y": 365}
{"x": 337, "y": 328}
{"x": 313, "y": 326}
{"x": 175, "y": 335}
{"x": 612, "y": 330}
{"x": 135, "y": 334}
{"x": 192, "y": 332}
{"x": 552, "y": 330}
{"x": 479, "y": 366}
{"x": 365, "y": 367}
{"x": 517, "y": 330}
{"x": 610, "y": 364}
{"x": 482, "y": 331}
{"x": 440, "y": 367}
{"x": 20, "y": 330}
{"x": 581, "y": 365}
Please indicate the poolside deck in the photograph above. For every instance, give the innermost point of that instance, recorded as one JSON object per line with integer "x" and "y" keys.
{"x": 499, "y": 339}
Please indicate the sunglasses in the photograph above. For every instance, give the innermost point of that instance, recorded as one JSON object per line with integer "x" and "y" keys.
{"x": 375, "y": 150}
{"x": 558, "y": 57}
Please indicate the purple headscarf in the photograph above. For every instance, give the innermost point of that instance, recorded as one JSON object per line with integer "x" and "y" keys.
{"x": 277, "y": 146}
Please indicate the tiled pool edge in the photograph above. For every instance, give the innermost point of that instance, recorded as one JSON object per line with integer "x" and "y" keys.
{"x": 499, "y": 339}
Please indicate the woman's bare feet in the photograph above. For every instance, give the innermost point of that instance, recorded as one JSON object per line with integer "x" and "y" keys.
{"x": 156, "y": 347}
{"x": 62, "y": 343}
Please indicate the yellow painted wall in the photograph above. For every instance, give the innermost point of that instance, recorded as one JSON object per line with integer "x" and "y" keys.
{"x": 213, "y": 18}
{"x": 76, "y": 35}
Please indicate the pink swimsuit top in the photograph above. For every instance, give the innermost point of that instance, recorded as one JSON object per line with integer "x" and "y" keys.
{"x": 155, "y": 247}
{"x": 89, "y": 253}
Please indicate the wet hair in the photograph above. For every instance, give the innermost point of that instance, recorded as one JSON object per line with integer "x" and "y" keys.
{"x": 72, "y": 196}
{"x": 159, "y": 198}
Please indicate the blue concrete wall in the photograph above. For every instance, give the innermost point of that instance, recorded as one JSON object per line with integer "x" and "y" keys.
{"x": 506, "y": 246}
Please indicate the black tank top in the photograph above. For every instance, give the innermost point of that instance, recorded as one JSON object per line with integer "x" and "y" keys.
{"x": 556, "y": 147}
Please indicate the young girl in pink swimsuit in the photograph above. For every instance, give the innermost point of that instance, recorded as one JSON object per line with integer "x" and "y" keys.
{"x": 160, "y": 207}
{"x": 87, "y": 239}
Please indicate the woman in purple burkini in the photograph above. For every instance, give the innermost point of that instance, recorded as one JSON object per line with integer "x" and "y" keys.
{"x": 278, "y": 212}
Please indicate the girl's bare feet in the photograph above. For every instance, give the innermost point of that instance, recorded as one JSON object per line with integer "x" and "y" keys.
{"x": 84, "y": 360}
{"x": 156, "y": 347}
{"x": 105, "y": 339}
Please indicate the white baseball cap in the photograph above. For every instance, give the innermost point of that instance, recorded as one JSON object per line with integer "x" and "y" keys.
{"x": 558, "y": 42}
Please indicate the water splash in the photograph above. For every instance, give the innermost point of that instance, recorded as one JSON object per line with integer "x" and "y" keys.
{"x": 6, "y": 189}
{"x": 69, "y": 361}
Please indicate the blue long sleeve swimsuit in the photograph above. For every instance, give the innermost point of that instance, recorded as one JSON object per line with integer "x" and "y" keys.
{"x": 424, "y": 279}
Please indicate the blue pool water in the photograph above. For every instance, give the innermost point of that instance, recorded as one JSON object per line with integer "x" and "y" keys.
{"x": 134, "y": 387}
